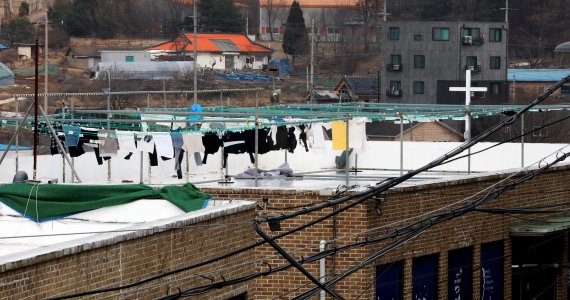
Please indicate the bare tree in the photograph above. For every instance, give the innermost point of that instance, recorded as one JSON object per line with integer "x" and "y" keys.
{"x": 369, "y": 12}
{"x": 276, "y": 10}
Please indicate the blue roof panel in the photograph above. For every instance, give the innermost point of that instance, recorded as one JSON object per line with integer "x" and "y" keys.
{"x": 537, "y": 75}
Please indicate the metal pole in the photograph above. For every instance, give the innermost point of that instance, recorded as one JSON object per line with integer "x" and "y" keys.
{"x": 256, "y": 136}
{"x": 141, "y": 167}
{"x": 149, "y": 170}
{"x": 195, "y": 55}
{"x": 46, "y": 63}
{"x": 63, "y": 169}
{"x": 312, "y": 58}
{"x": 468, "y": 118}
{"x": 36, "y": 136}
{"x": 17, "y": 137}
{"x": 347, "y": 154}
{"x": 109, "y": 122}
{"x": 164, "y": 94}
{"x": 147, "y": 100}
{"x": 64, "y": 153}
{"x": 322, "y": 268}
{"x": 221, "y": 99}
{"x": 187, "y": 167}
{"x": 401, "y": 144}
{"x": 73, "y": 158}
{"x": 522, "y": 140}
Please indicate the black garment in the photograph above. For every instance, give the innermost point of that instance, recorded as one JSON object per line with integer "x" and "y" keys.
{"x": 234, "y": 143}
{"x": 211, "y": 143}
{"x": 128, "y": 156}
{"x": 265, "y": 142}
{"x": 53, "y": 146}
{"x": 303, "y": 137}
{"x": 292, "y": 139}
{"x": 153, "y": 158}
{"x": 77, "y": 150}
{"x": 281, "y": 138}
{"x": 178, "y": 156}
{"x": 97, "y": 157}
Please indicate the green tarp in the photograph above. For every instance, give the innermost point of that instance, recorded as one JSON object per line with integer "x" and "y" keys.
{"x": 47, "y": 201}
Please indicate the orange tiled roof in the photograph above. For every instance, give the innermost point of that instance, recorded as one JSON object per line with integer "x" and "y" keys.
{"x": 310, "y": 3}
{"x": 213, "y": 42}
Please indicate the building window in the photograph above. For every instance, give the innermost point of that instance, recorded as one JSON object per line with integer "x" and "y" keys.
{"x": 395, "y": 59}
{"x": 419, "y": 61}
{"x": 491, "y": 277}
{"x": 440, "y": 34}
{"x": 389, "y": 281}
{"x": 495, "y": 88}
{"x": 495, "y": 34}
{"x": 129, "y": 58}
{"x": 395, "y": 85}
{"x": 417, "y": 37}
{"x": 495, "y": 62}
{"x": 333, "y": 30}
{"x": 419, "y": 87}
{"x": 460, "y": 274}
{"x": 424, "y": 277}
{"x": 471, "y": 61}
{"x": 472, "y": 32}
{"x": 394, "y": 33}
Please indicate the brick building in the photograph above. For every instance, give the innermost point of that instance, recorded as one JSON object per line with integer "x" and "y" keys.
{"x": 127, "y": 254}
{"x": 528, "y": 83}
{"x": 471, "y": 256}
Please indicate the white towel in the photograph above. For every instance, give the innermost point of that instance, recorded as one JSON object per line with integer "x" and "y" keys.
{"x": 357, "y": 134}
{"x": 193, "y": 143}
{"x": 318, "y": 138}
{"x": 126, "y": 141}
{"x": 163, "y": 143}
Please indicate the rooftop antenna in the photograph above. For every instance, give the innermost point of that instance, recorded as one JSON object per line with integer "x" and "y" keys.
{"x": 506, "y": 9}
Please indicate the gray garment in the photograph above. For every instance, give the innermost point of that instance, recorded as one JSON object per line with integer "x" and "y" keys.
{"x": 108, "y": 143}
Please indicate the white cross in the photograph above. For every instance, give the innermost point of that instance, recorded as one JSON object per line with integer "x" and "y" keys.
{"x": 467, "y": 88}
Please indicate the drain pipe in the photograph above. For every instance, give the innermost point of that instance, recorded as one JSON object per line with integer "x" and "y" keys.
{"x": 323, "y": 269}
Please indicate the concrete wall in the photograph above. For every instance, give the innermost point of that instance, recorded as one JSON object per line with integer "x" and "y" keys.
{"x": 396, "y": 209}
{"x": 121, "y": 56}
{"x": 444, "y": 60}
{"x": 129, "y": 257}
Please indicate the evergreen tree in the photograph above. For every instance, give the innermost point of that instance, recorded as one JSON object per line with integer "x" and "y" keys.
{"x": 295, "y": 38}
{"x": 218, "y": 16}
{"x": 24, "y": 9}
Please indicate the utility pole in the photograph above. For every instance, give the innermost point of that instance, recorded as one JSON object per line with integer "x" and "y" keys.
{"x": 195, "y": 55}
{"x": 385, "y": 11}
{"x": 46, "y": 62}
{"x": 312, "y": 57}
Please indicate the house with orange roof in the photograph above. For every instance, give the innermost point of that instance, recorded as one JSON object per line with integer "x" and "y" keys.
{"x": 330, "y": 17}
{"x": 217, "y": 51}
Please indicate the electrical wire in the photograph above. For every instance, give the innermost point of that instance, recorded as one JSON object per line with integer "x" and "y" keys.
{"x": 365, "y": 196}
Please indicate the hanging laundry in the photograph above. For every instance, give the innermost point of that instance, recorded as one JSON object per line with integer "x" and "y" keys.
{"x": 211, "y": 143}
{"x": 89, "y": 137}
{"x": 357, "y": 134}
{"x": 163, "y": 144}
{"x": 192, "y": 143}
{"x": 303, "y": 137}
{"x": 264, "y": 144}
{"x": 291, "y": 139}
{"x": 281, "y": 138}
{"x": 153, "y": 157}
{"x": 126, "y": 140}
{"x": 318, "y": 138}
{"x": 338, "y": 135}
{"x": 146, "y": 144}
{"x": 178, "y": 156}
{"x": 71, "y": 134}
{"x": 108, "y": 144}
{"x": 177, "y": 141}
{"x": 234, "y": 143}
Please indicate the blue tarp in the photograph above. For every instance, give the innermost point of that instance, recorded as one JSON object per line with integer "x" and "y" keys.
{"x": 2, "y": 47}
{"x": 3, "y": 147}
{"x": 282, "y": 65}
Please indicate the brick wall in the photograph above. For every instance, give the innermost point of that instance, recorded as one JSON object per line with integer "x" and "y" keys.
{"x": 430, "y": 132}
{"x": 135, "y": 257}
{"x": 379, "y": 216}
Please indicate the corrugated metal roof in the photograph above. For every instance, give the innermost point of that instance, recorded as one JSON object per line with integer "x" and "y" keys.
{"x": 226, "y": 45}
{"x": 534, "y": 75}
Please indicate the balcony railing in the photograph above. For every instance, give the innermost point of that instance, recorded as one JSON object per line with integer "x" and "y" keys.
{"x": 394, "y": 67}
{"x": 393, "y": 93}
{"x": 472, "y": 40}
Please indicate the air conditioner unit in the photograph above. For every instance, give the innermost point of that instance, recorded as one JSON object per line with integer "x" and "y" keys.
{"x": 396, "y": 92}
{"x": 468, "y": 40}
{"x": 470, "y": 67}
{"x": 396, "y": 67}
